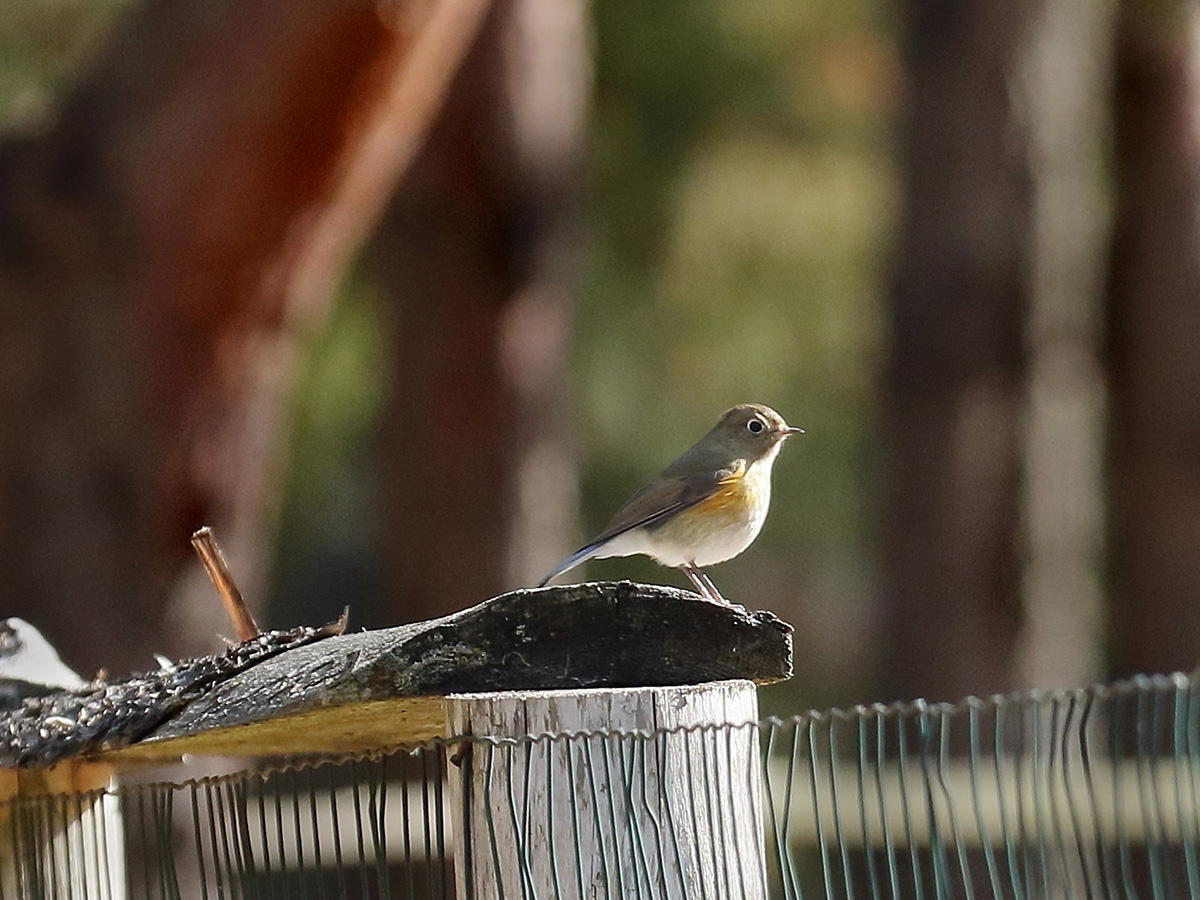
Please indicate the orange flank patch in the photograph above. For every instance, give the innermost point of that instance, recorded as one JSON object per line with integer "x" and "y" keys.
{"x": 729, "y": 497}
{"x": 728, "y": 505}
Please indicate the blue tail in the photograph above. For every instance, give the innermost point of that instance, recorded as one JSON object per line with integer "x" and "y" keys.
{"x": 570, "y": 562}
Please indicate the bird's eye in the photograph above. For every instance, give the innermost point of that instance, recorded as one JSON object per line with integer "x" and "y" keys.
{"x": 755, "y": 425}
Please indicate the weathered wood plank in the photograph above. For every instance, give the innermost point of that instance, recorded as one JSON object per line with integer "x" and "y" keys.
{"x": 362, "y": 691}
{"x": 610, "y": 634}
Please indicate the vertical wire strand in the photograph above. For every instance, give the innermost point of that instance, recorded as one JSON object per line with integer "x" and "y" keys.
{"x": 493, "y": 844}
{"x": 790, "y": 785}
{"x": 740, "y": 865}
{"x": 339, "y": 861}
{"x": 860, "y": 772}
{"x": 518, "y": 820}
{"x": 889, "y": 844}
{"x": 248, "y": 870}
{"x": 1116, "y": 757}
{"x": 377, "y": 800}
{"x": 914, "y": 856}
{"x": 1070, "y": 741}
{"x": 652, "y": 798}
{"x": 521, "y": 813}
{"x": 167, "y": 856}
{"x": 268, "y": 873}
{"x": 942, "y": 768}
{"x": 467, "y": 759}
{"x": 716, "y": 821}
{"x": 442, "y": 772}
{"x": 302, "y": 865}
{"x": 665, "y": 774}
{"x": 641, "y": 868}
{"x": 814, "y": 782}
{"x": 285, "y": 872}
{"x": 549, "y": 757}
{"x": 1025, "y": 833}
{"x": 428, "y": 759}
{"x": 360, "y": 848}
{"x": 1101, "y": 847}
{"x": 838, "y": 836}
{"x": 689, "y": 777}
{"x": 1185, "y": 775}
{"x": 769, "y": 792}
{"x": 1054, "y": 774}
{"x": 575, "y": 830}
{"x": 1161, "y": 872}
{"x": 1038, "y": 780}
{"x": 937, "y": 849}
{"x": 214, "y": 843}
{"x": 974, "y": 763}
{"x": 1000, "y": 769}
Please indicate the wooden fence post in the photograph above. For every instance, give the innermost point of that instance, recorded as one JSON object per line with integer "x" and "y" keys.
{"x": 658, "y": 794}
{"x": 61, "y": 833}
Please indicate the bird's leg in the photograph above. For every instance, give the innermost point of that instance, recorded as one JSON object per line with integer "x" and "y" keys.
{"x": 713, "y": 592}
{"x": 693, "y": 575}
{"x": 703, "y": 583}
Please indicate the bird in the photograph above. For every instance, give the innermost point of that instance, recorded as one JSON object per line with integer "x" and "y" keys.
{"x": 704, "y": 508}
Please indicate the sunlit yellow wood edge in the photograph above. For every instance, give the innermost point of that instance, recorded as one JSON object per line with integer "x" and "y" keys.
{"x": 70, "y": 777}
{"x": 329, "y": 730}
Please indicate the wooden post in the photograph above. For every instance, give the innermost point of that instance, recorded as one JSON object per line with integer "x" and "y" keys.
{"x": 655, "y": 793}
{"x": 61, "y": 833}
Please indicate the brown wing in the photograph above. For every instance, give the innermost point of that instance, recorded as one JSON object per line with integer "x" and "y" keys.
{"x": 663, "y": 498}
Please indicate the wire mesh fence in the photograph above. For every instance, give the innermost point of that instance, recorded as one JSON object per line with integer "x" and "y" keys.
{"x": 1088, "y": 794}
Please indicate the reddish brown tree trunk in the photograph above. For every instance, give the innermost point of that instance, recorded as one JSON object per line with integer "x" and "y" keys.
{"x": 475, "y": 255}
{"x": 205, "y": 184}
{"x": 1155, "y": 341}
{"x": 953, "y": 382}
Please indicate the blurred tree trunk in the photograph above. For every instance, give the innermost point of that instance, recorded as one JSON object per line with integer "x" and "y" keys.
{"x": 1155, "y": 340}
{"x": 202, "y": 188}
{"x": 953, "y": 383}
{"x": 1067, "y": 86}
{"x": 474, "y": 255}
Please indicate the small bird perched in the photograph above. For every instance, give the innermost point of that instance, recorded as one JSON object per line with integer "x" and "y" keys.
{"x": 704, "y": 508}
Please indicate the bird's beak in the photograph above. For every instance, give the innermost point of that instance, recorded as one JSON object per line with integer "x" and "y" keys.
{"x": 789, "y": 431}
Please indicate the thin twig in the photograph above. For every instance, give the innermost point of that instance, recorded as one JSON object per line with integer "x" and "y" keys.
{"x": 210, "y": 554}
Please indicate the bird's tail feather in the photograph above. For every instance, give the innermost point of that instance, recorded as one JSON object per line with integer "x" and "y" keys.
{"x": 570, "y": 562}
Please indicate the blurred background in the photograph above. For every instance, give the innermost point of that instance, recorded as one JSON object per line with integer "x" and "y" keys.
{"x": 405, "y": 297}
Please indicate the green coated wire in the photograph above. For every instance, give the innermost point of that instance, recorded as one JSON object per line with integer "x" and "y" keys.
{"x": 574, "y": 806}
{"x": 590, "y": 771}
{"x": 493, "y": 843}
{"x": 839, "y": 837}
{"x": 973, "y": 749}
{"x": 861, "y": 783}
{"x": 668, "y": 807}
{"x": 943, "y": 766}
{"x": 641, "y": 866}
{"x": 1185, "y": 759}
{"x": 905, "y": 812}
{"x": 649, "y": 804}
{"x": 937, "y": 856}
{"x": 814, "y": 782}
{"x": 520, "y": 836}
{"x": 888, "y": 843}
{"x": 1059, "y": 847}
{"x": 551, "y": 833}
{"x": 1090, "y": 793}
